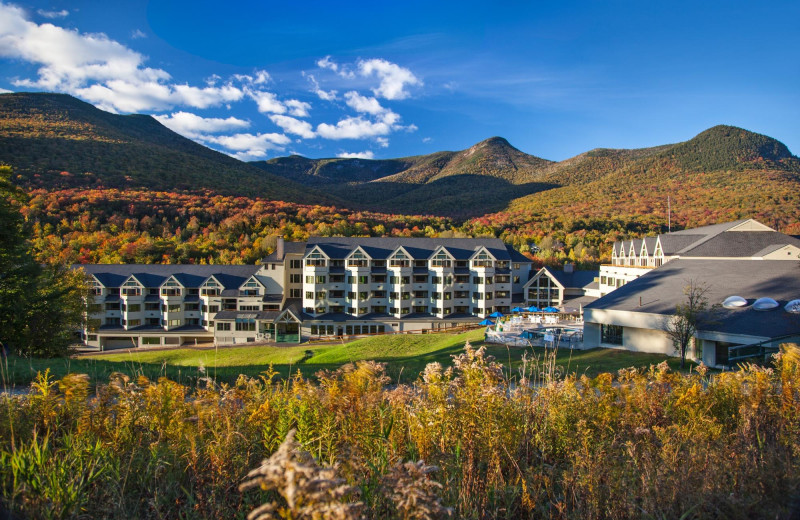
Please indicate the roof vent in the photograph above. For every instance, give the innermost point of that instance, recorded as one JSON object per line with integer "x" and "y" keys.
{"x": 734, "y": 302}
{"x": 765, "y": 304}
{"x": 793, "y": 307}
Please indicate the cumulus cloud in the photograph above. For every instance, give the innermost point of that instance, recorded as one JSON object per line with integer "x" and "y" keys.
{"x": 393, "y": 78}
{"x": 53, "y": 14}
{"x": 5, "y": 91}
{"x": 294, "y": 126}
{"x": 357, "y": 155}
{"x": 353, "y": 128}
{"x": 250, "y": 146}
{"x": 363, "y": 104}
{"x": 96, "y": 68}
{"x": 382, "y": 142}
{"x": 138, "y": 34}
{"x": 267, "y": 102}
{"x": 298, "y": 108}
{"x": 196, "y": 127}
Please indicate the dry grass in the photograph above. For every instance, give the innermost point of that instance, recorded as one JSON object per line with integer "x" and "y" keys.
{"x": 641, "y": 443}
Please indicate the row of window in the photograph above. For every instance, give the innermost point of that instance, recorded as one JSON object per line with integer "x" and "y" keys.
{"x": 317, "y": 260}
{"x": 186, "y": 307}
{"x": 349, "y": 330}
{"x": 402, "y": 311}
{"x": 404, "y": 280}
{"x": 365, "y": 295}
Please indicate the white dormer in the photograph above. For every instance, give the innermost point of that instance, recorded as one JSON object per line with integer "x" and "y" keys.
{"x": 632, "y": 254}
{"x": 252, "y": 287}
{"x": 211, "y": 287}
{"x": 441, "y": 258}
{"x": 482, "y": 258}
{"x": 400, "y": 258}
{"x": 658, "y": 253}
{"x": 171, "y": 287}
{"x": 131, "y": 287}
{"x": 358, "y": 258}
{"x": 316, "y": 258}
{"x": 95, "y": 286}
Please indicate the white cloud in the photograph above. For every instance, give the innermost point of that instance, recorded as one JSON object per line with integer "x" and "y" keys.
{"x": 353, "y": 128}
{"x": 426, "y": 139}
{"x": 195, "y": 127}
{"x": 297, "y": 108}
{"x": 294, "y": 126}
{"x": 53, "y": 14}
{"x": 382, "y": 142}
{"x": 325, "y": 95}
{"x": 268, "y": 103}
{"x": 249, "y": 146}
{"x": 394, "y": 78}
{"x": 357, "y": 155}
{"x": 4, "y": 91}
{"x": 138, "y": 34}
{"x": 363, "y": 104}
{"x": 262, "y": 76}
{"x": 96, "y": 68}
{"x": 328, "y": 63}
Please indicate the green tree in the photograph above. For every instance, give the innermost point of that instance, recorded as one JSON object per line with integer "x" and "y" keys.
{"x": 682, "y": 326}
{"x": 41, "y": 307}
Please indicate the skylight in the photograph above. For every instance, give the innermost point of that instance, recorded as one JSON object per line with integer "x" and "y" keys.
{"x": 734, "y": 302}
{"x": 765, "y": 304}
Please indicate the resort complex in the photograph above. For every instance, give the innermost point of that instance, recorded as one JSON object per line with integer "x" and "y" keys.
{"x": 341, "y": 287}
{"x": 322, "y": 287}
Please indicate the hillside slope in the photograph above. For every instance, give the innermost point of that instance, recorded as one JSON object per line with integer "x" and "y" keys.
{"x": 55, "y": 140}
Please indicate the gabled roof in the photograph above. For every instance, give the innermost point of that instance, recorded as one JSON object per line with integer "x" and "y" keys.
{"x": 289, "y": 248}
{"x": 661, "y": 290}
{"x": 738, "y": 244}
{"x": 417, "y": 248}
{"x": 573, "y": 280}
{"x": 153, "y": 275}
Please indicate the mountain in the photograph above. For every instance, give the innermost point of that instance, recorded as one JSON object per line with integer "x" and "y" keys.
{"x": 482, "y": 178}
{"x": 55, "y": 140}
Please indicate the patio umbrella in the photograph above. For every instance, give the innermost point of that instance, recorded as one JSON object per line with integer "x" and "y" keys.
{"x": 487, "y": 321}
{"x": 496, "y": 314}
{"x": 550, "y": 309}
{"x": 533, "y": 308}
{"x": 517, "y": 309}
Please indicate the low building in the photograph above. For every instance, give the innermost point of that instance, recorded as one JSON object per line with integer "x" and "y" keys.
{"x": 743, "y": 258}
{"x": 567, "y": 289}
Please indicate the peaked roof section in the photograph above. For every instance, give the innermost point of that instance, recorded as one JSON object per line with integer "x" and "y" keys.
{"x": 289, "y": 248}
{"x": 661, "y": 290}
{"x": 573, "y": 280}
{"x": 153, "y": 275}
{"x": 739, "y": 244}
{"x": 418, "y": 248}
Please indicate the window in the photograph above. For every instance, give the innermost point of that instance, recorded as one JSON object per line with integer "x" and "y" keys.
{"x": 213, "y": 308}
{"x": 223, "y": 326}
{"x": 421, "y": 278}
{"x": 337, "y": 278}
{"x": 249, "y": 308}
{"x": 362, "y": 295}
{"x": 516, "y": 279}
{"x": 477, "y": 296}
{"x": 462, "y": 278}
{"x": 448, "y": 296}
{"x": 320, "y": 279}
{"x": 393, "y": 310}
{"x": 134, "y": 323}
{"x": 436, "y": 310}
{"x": 309, "y": 295}
{"x": 294, "y": 293}
{"x": 441, "y": 260}
{"x": 112, "y": 306}
{"x": 95, "y": 307}
{"x": 152, "y": 306}
{"x": 357, "y": 259}
{"x": 245, "y": 326}
{"x": 174, "y": 308}
{"x": 405, "y": 295}
{"x": 153, "y": 322}
{"x": 315, "y": 259}
{"x": 362, "y": 310}
{"x": 394, "y": 295}
{"x": 611, "y": 334}
{"x": 399, "y": 259}
{"x": 295, "y": 264}
{"x": 175, "y": 323}
{"x": 309, "y": 279}
{"x": 436, "y": 280}
{"x": 131, "y": 288}
{"x": 135, "y": 307}
{"x": 489, "y": 295}
{"x": 423, "y": 309}
{"x": 436, "y": 296}
{"x": 295, "y": 278}
{"x": 482, "y": 259}
{"x": 420, "y": 294}
{"x": 191, "y": 307}
{"x": 477, "y": 280}
{"x": 489, "y": 280}
{"x": 151, "y": 341}
{"x": 448, "y": 280}
{"x": 170, "y": 288}
{"x": 363, "y": 279}
{"x": 516, "y": 267}
{"x": 378, "y": 278}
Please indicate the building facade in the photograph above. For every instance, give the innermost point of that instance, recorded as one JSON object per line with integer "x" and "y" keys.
{"x": 323, "y": 287}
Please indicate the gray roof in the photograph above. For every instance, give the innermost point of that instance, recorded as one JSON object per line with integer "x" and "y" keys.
{"x": 418, "y": 248}
{"x": 661, "y": 290}
{"x": 671, "y": 243}
{"x": 575, "y": 279}
{"x": 153, "y": 275}
{"x": 739, "y": 244}
{"x": 289, "y": 248}
{"x": 713, "y": 229}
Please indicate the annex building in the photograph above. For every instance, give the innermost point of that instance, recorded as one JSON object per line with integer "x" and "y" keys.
{"x": 323, "y": 287}
{"x": 752, "y": 276}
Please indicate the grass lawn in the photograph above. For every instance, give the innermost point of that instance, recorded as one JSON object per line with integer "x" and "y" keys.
{"x": 406, "y": 356}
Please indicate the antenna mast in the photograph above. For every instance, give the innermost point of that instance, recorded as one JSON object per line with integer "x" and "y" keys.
{"x": 669, "y": 216}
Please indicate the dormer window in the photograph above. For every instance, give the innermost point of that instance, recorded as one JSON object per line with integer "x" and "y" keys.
{"x": 171, "y": 288}
{"x": 131, "y": 288}
{"x": 441, "y": 259}
{"x": 210, "y": 288}
{"x": 316, "y": 259}
{"x": 399, "y": 259}
{"x": 482, "y": 259}
{"x": 358, "y": 259}
{"x": 251, "y": 288}
{"x": 95, "y": 288}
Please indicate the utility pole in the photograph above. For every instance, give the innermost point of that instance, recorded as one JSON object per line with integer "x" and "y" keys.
{"x": 669, "y": 216}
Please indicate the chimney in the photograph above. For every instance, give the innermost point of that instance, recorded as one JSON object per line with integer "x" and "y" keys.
{"x": 279, "y": 248}
{"x": 569, "y": 268}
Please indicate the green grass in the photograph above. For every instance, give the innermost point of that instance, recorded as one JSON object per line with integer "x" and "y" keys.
{"x": 406, "y": 356}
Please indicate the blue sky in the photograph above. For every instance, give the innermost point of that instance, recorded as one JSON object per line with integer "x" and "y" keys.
{"x": 260, "y": 79}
